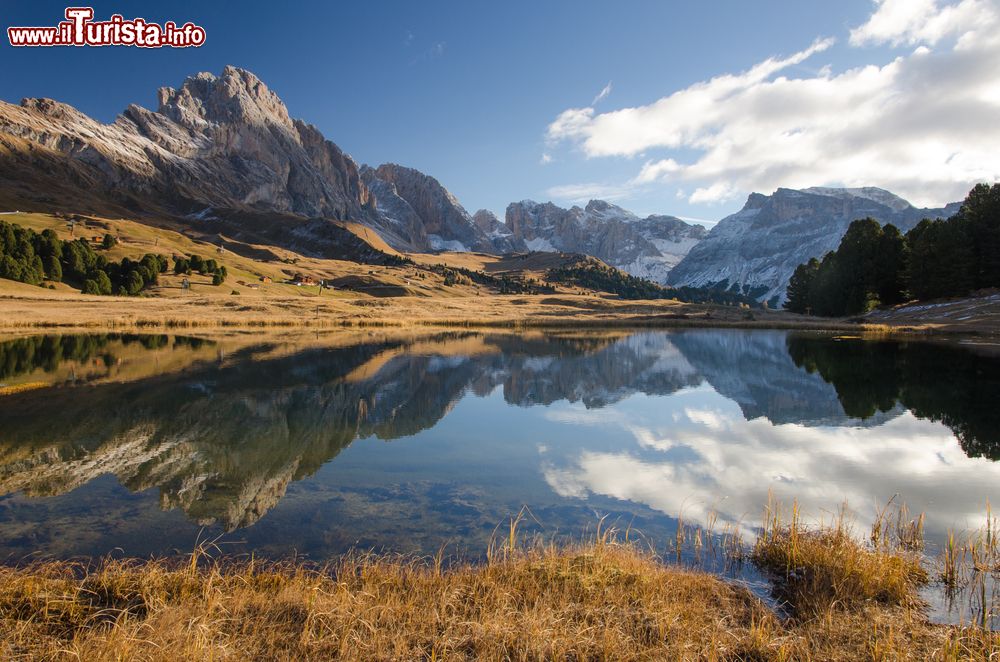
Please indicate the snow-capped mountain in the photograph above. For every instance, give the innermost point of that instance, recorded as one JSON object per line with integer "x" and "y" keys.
{"x": 647, "y": 247}
{"x": 757, "y": 249}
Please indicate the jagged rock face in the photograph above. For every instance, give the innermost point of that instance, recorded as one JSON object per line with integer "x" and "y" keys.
{"x": 758, "y": 248}
{"x": 396, "y": 222}
{"x": 646, "y": 247}
{"x": 224, "y": 141}
{"x": 411, "y": 196}
{"x": 500, "y": 236}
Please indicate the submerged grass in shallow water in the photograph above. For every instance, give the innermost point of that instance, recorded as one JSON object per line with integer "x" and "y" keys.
{"x": 606, "y": 599}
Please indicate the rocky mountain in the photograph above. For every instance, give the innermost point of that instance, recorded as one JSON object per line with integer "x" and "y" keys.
{"x": 500, "y": 236}
{"x": 417, "y": 213}
{"x": 222, "y": 155}
{"x": 647, "y": 247}
{"x": 757, "y": 249}
{"x": 217, "y": 147}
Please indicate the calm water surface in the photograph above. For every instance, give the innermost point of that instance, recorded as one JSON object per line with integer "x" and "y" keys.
{"x": 142, "y": 444}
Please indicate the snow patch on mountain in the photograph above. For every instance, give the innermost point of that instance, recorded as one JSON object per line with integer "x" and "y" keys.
{"x": 438, "y": 243}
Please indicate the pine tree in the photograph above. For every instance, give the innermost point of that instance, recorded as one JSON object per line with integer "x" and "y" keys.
{"x": 800, "y": 287}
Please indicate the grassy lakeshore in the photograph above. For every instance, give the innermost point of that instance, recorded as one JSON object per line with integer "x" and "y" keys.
{"x": 26, "y": 307}
{"x": 258, "y": 293}
{"x": 606, "y": 599}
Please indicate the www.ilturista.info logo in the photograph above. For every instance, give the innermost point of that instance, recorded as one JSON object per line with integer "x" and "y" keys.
{"x": 79, "y": 29}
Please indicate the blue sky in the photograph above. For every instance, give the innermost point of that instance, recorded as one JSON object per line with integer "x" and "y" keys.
{"x": 476, "y": 94}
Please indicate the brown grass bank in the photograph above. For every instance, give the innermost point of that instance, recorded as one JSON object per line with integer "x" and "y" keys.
{"x": 600, "y": 601}
{"x": 25, "y": 307}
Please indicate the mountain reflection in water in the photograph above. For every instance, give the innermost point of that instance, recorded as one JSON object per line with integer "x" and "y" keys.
{"x": 646, "y": 425}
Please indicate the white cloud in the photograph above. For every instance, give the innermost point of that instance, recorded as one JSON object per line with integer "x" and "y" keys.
{"x": 706, "y": 417}
{"x": 668, "y": 122}
{"x": 546, "y": 158}
{"x": 653, "y": 170}
{"x": 717, "y": 192}
{"x": 588, "y": 191}
{"x": 918, "y": 21}
{"x": 922, "y": 124}
{"x": 602, "y": 95}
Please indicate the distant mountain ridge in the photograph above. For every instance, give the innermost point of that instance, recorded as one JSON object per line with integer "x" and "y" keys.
{"x": 646, "y": 247}
{"x": 757, "y": 249}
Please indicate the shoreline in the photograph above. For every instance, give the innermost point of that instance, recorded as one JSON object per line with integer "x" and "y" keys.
{"x": 25, "y": 310}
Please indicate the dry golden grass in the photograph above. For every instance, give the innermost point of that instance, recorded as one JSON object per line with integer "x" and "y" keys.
{"x": 827, "y": 568}
{"x": 600, "y": 603}
{"x": 26, "y": 307}
{"x": 605, "y": 600}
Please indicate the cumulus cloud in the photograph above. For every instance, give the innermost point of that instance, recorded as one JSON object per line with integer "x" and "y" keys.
{"x": 717, "y": 192}
{"x": 922, "y": 124}
{"x": 918, "y": 21}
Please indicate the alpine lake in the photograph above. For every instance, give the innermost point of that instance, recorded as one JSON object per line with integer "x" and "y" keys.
{"x": 309, "y": 445}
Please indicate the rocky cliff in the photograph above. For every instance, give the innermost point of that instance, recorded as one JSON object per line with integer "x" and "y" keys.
{"x": 757, "y": 249}
{"x": 433, "y": 218}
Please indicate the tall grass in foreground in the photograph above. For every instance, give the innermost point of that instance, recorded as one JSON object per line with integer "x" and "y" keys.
{"x": 827, "y": 567}
{"x": 608, "y": 598}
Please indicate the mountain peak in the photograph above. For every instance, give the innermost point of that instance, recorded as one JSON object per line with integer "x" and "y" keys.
{"x": 54, "y": 109}
{"x": 755, "y": 201}
{"x": 598, "y": 206}
{"x": 604, "y": 208}
{"x": 444, "y": 223}
{"x": 235, "y": 96}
